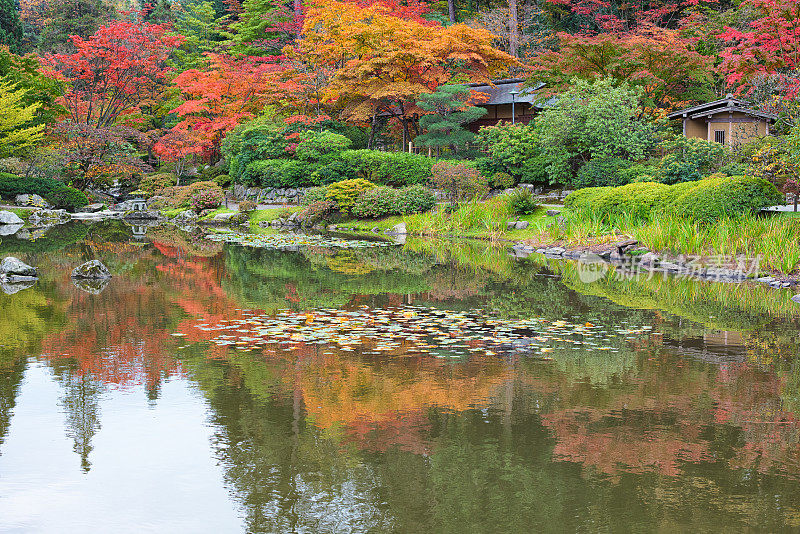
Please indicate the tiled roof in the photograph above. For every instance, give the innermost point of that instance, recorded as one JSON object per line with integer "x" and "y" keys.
{"x": 499, "y": 91}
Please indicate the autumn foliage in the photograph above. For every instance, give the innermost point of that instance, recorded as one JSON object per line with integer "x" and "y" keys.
{"x": 115, "y": 71}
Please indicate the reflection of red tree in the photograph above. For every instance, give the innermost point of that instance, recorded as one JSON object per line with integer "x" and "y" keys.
{"x": 653, "y": 419}
{"x": 118, "y": 336}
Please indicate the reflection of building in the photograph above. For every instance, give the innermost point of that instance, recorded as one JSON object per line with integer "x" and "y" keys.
{"x": 728, "y": 121}
{"x": 503, "y": 95}
{"x": 138, "y": 231}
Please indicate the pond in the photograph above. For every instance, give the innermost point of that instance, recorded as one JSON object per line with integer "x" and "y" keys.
{"x": 429, "y": 387}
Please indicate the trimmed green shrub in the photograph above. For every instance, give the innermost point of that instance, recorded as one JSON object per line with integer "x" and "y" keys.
{"x": 335, "y": 171}
{"x": 415, "y": 199}
{"x": 376, "y": 202}
{"x": 389, "y": 168}
{"x": 67, "y": 198}
{"x": 321, "y": 146}
{"x": 56, "y": 193}
{"x": 278, "y": 173}
{"x": 715, "y": 198}
{"x": 346, "y": 192}
{"x": 602, "y": 172}
{"x": 705, "y": 200}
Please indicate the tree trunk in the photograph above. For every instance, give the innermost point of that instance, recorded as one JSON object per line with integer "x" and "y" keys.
{"x": 451, "y": 10}
{"x": 371, "y": 139}
{"x": 513, "y": 29}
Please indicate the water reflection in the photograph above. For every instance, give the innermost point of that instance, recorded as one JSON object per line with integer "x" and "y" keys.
{"x": 118, "y": 397}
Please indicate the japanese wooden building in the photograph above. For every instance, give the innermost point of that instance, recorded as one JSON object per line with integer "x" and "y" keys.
{"x": 501, "y": 96}
{"x": 729, "y": 121}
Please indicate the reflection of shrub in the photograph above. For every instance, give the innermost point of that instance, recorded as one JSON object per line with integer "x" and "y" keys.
{"x": 346, "y": 192}
{"x": 247, "y": 205}
{"x": 208, "y": 199}
{"x": 314, "y": 194}
{"x": 154, "y": 182}
{"x": 522, "y": 202}
{"x": 459, "y": 181}
{"x": 415, "y": 199}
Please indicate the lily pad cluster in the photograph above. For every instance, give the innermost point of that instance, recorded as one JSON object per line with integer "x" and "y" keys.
{"x": 412, "y": 330}
{"x": 289, "y": 241}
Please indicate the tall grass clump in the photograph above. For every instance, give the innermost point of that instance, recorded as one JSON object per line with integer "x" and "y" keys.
{"x": 465, "y": 218}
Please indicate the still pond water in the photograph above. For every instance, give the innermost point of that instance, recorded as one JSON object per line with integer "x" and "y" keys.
{"x": 435, "y": 387}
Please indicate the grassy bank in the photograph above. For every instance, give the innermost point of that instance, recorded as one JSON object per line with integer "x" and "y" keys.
{"x": 774, "y": 238}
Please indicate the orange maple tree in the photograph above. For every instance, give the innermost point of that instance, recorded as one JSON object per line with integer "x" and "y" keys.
{"x": 228, "y": 92}
{"x": 383, "y": 62}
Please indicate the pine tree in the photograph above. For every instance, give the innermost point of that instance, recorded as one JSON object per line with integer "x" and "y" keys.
{"x": 10, "y": 25}
{"x": 449, "y": 113}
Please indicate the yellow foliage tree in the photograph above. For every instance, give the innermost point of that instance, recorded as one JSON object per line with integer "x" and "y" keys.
{"x": 16, "y": 137}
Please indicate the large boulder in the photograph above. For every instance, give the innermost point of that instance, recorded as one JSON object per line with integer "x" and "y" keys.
{"x": 9, "y": 217}
{"x": 398, "y": 229}
{"x": 12, "y": 266}
{"x": 91, "y": 270}
{"x": 31, "y": 200}
{"x": 91, "y": 208}
{"x": 185, "y": 217}
{"x": 9, "y": 229}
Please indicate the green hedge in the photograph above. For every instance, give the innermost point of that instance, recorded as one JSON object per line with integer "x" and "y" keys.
{"x": 55, "y": 192}
{"x": 389, "y": 168}
{"x": 704, "y": 200}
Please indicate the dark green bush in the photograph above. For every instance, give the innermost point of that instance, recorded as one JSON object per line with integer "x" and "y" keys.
{"x": 714, "y": 198}
{"x": 602, "y": 172}
{"x": 389, "y": 168}
{"x": 704, "y": 200}
{"x": 278, "y": 173}
{"x": 56, "y": 193}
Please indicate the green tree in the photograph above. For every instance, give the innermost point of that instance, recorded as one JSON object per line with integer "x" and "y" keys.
{"x": 198, "y": 23}
{"x": 10, "y": 24}
{"x": 449, "y": 112}
{"x": 72, "y": 17}
{"x": 593, "y": 120}
{"x": 264, "y": 25}
{"x": 23, "y": 72}
{"x": 17, "y": 135}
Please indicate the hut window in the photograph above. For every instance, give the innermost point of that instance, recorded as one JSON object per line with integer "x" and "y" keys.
{"x": 719, "y": 136}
